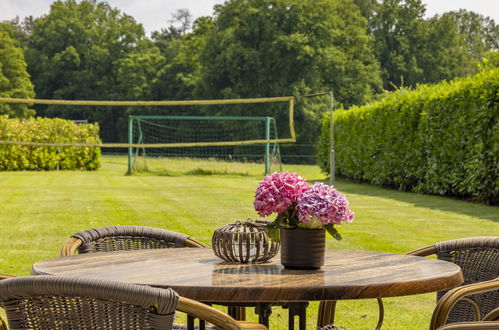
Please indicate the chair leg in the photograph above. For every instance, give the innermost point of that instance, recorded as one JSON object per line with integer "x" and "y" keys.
{"x": 237, "y": 312}
{"x": 326, "y": 313}
{"x": 327, "y": 309}
{"x": 381, "y": 314}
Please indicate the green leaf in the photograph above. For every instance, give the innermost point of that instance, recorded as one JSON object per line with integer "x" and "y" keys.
{"x": 333, "y": 232}
{"x": 274, "y": 233}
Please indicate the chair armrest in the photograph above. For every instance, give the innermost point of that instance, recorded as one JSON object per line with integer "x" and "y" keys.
{"x": 448, "y": 301}
{"x": 5, "y": 276}
{"x": 3, "y": 325}
{"x": 215, "y": 316}
{"x": 423, "y": 252}
{"x": 70, "y": 246}
{"x": 192, "y": 242}
{"x": 485, "y": 325}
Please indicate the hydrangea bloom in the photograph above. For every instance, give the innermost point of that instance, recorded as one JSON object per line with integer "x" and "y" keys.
{"x": 324, "y": 203}
{"x": 277, "y": 191}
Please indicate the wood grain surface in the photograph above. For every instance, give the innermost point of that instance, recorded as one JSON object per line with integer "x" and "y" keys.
{"x": 198, "y": 274}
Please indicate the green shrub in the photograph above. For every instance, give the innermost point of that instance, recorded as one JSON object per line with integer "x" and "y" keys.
{"x": 441, "y": 139}
{"x": 42, "y": 130}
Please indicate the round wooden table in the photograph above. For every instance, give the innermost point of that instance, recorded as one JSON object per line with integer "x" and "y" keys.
{"x": 198, "y": 274}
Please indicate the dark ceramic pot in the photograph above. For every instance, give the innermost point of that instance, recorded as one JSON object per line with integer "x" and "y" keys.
{"x": 302, "y": 248}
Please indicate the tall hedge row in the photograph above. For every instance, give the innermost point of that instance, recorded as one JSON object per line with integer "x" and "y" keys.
{"x": 441, "y": 139}
{"x": 23, "y": 157}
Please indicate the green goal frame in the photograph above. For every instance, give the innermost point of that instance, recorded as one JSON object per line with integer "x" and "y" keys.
{"x": 268, "y": 154}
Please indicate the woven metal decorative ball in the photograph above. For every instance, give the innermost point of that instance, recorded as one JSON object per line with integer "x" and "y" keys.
{"x": 244, "y": 241}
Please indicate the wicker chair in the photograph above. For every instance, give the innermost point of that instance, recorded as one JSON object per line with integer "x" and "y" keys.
{"x": 460, "y": 294}
{"x": 479, "y": 259}
{"x": 67, "y": 302}
{"x": 3, "y": 324}
{"x": 116, "y": 238}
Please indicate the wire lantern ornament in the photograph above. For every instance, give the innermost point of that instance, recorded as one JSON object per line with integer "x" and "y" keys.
{"x": 244, "y": 242}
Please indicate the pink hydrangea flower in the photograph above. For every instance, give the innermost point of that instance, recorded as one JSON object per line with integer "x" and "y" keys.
{"x": 325, "y": 204}
{"x": 277, "y": 191}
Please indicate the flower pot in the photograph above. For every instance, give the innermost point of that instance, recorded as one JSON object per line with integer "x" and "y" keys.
{"x": 302, "y": 248}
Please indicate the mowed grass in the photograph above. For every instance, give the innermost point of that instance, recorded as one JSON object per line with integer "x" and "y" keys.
{"x": 40, "y": 210}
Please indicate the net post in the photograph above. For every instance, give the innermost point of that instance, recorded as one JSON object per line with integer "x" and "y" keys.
{"x": 130, "y": 141}
{"x": 331, "y": 140}
{"x": 267, "y": 145}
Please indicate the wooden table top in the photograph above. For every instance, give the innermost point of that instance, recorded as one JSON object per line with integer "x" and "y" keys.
{"x": 199, "y": 274}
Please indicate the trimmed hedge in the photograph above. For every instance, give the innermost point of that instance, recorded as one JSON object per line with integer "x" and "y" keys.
{"x": 441, "y": 139}
{"x": 21, "y": 157}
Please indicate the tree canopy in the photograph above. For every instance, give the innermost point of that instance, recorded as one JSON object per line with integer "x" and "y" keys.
{"x": 14, "y": 78}
{"x": 82, "y": 50}
{"x": 248, "y": 48}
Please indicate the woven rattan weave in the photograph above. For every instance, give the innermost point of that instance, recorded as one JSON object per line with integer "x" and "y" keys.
{"x": 116, "y": 238}
{"x": 478, "y": 258}
{"x": 63, "y": 302}
{"x": 69, "y": 302}
{"x": 244, "y": 241}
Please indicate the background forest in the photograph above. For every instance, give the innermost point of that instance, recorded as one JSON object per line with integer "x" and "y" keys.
{"x": 359, "y": 49}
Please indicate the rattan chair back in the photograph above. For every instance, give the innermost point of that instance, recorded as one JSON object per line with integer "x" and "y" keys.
{"x": 478, "y": 258}
{"x": 66, "y": 302}
{"x": 3, "y": 324}
{"x": 117, "y": 238}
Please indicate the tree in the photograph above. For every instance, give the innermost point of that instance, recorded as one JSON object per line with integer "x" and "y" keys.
{"x": 289, "y": 47}
{"x": 490, "y": 61}
{"x": 164, "y": 37}
{"x": 274, "y": 47}
{"x": 443, "y": 54}
{"x": 80, "y": 50}
{"x": 183, "y": 18}
{"x": 481, "y": 33}
{"x": 14, "y": 79}
{"x": 398, "y": 29}
{"x": 413, "y": 50}
{"x": 20, "y": 30}
{"x": 136, "y": 70}
{"x": 180, "y": 73}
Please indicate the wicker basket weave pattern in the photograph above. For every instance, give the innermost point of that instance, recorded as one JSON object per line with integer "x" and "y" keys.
{"x": 244, "y": 241}
{"x": 117, "y": 238}
{"x": 63, "y": 302}
{"x": 478, "y": 264}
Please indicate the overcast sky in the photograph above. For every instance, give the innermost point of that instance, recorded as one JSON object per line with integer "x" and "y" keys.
{"x": 155, "y": 14}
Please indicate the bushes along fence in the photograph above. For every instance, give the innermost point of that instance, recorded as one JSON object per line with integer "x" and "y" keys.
{"x": 441, "y": 139}
{"x": 42, "y": 130}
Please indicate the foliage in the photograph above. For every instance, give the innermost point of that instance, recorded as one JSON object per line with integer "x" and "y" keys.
{"x": 19, "y": 30}
{"x": 84, "y": 50}
{"x": 440, "y": 139}
{"x": 43, "y": 130}
{"x": 444, "y": 53}
{"x": 412, "y": 49}
{"x": 248, "y": 48}
{"x": 480, "y": 33}
{"x": 14, "y": 79}
{"x": 398, "y": 30}
{"x": 179, "y": 75}
{"x": 288, "y": 47}
{"x": 490, "y": 61}
{"x": 299, "y": 206}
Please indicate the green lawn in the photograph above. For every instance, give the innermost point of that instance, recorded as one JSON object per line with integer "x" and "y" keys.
{"x": 39, "y": 210}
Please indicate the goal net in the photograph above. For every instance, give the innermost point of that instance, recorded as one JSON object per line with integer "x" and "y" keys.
{"x": 211, "y": 144}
